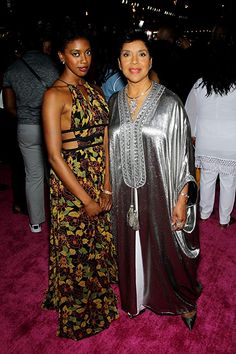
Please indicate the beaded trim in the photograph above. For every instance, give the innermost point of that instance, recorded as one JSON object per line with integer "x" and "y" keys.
{"x": 227, "y": 167}
{"x": 131, "y": 142}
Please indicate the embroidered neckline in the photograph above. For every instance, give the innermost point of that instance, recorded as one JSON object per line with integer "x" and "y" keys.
{"x": 131, "y": 142}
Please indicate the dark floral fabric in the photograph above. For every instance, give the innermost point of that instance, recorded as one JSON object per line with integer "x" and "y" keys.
{"x": 82, "y": 261}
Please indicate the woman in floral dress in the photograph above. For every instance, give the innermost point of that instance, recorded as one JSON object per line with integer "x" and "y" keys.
{"x": 82, "y": 263}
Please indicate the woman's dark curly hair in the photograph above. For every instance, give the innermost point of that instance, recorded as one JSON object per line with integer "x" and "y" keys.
{"x": 219, "y": 71}
{"x": 69, "y": 31}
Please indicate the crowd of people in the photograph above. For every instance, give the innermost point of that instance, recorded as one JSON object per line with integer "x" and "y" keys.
{"x": 114, "y": 140}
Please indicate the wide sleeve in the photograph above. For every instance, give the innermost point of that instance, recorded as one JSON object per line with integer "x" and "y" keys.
{"x": 183, "y": 164}
{"x": 180, "y": 153}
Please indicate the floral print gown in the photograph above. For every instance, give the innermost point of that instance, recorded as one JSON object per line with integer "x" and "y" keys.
{"x": 82, "y": 262}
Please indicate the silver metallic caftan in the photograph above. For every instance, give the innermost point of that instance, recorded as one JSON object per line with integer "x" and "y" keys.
{"x": 153, "y": 156}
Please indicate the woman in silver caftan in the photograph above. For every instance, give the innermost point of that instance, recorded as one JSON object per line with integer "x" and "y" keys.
{"x": 151, "y": 163}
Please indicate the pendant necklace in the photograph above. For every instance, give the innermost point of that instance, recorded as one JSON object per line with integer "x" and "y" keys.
{"x": 134, "y": 100}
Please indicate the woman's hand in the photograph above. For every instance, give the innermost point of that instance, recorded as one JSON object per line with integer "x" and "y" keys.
{"x": 179, "y": 214}
{"x": 105, "y": 201}
{"x": 92, "y": 208}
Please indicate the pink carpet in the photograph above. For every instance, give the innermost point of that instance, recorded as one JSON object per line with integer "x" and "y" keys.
{"x": 27, "y": 329}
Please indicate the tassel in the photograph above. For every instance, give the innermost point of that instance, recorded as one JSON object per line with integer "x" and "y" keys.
{"x": 132, "y": 218}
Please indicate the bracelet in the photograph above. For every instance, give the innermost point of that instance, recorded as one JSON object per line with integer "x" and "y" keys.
{"x": 105, "y": 191}
{"x": 184, "y": 195}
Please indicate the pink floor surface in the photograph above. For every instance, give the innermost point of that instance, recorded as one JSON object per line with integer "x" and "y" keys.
{"x": 28, "y": 329}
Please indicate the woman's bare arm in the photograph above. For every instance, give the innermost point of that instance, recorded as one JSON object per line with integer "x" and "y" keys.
{"x": 106, "y": 196}
{"x": 9, "y": 100}
{"x": 52, "y": 111}
{"x": 179, "y": 214}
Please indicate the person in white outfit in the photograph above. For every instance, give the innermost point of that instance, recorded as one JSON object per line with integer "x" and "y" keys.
{"x": 211, "y": 108}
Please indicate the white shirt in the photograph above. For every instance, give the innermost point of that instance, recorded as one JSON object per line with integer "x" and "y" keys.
{"x": 213, "y": 123}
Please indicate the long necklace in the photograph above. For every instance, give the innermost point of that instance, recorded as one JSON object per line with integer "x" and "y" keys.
{"x": 134, "y": 100}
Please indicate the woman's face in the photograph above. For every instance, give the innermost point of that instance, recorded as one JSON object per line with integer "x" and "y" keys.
{"x": 135, "y": 61}
{"x": 77, "y": 56}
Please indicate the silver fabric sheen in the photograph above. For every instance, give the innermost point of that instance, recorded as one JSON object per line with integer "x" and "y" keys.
{"x": 154, "y": 154}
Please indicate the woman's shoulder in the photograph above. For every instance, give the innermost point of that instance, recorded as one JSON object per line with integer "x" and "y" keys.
{"x": 58, "y": 91}
{"x": 114, "y": 96}
{"x": 171, "y": 97}
{"x": 59, "y": 87}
